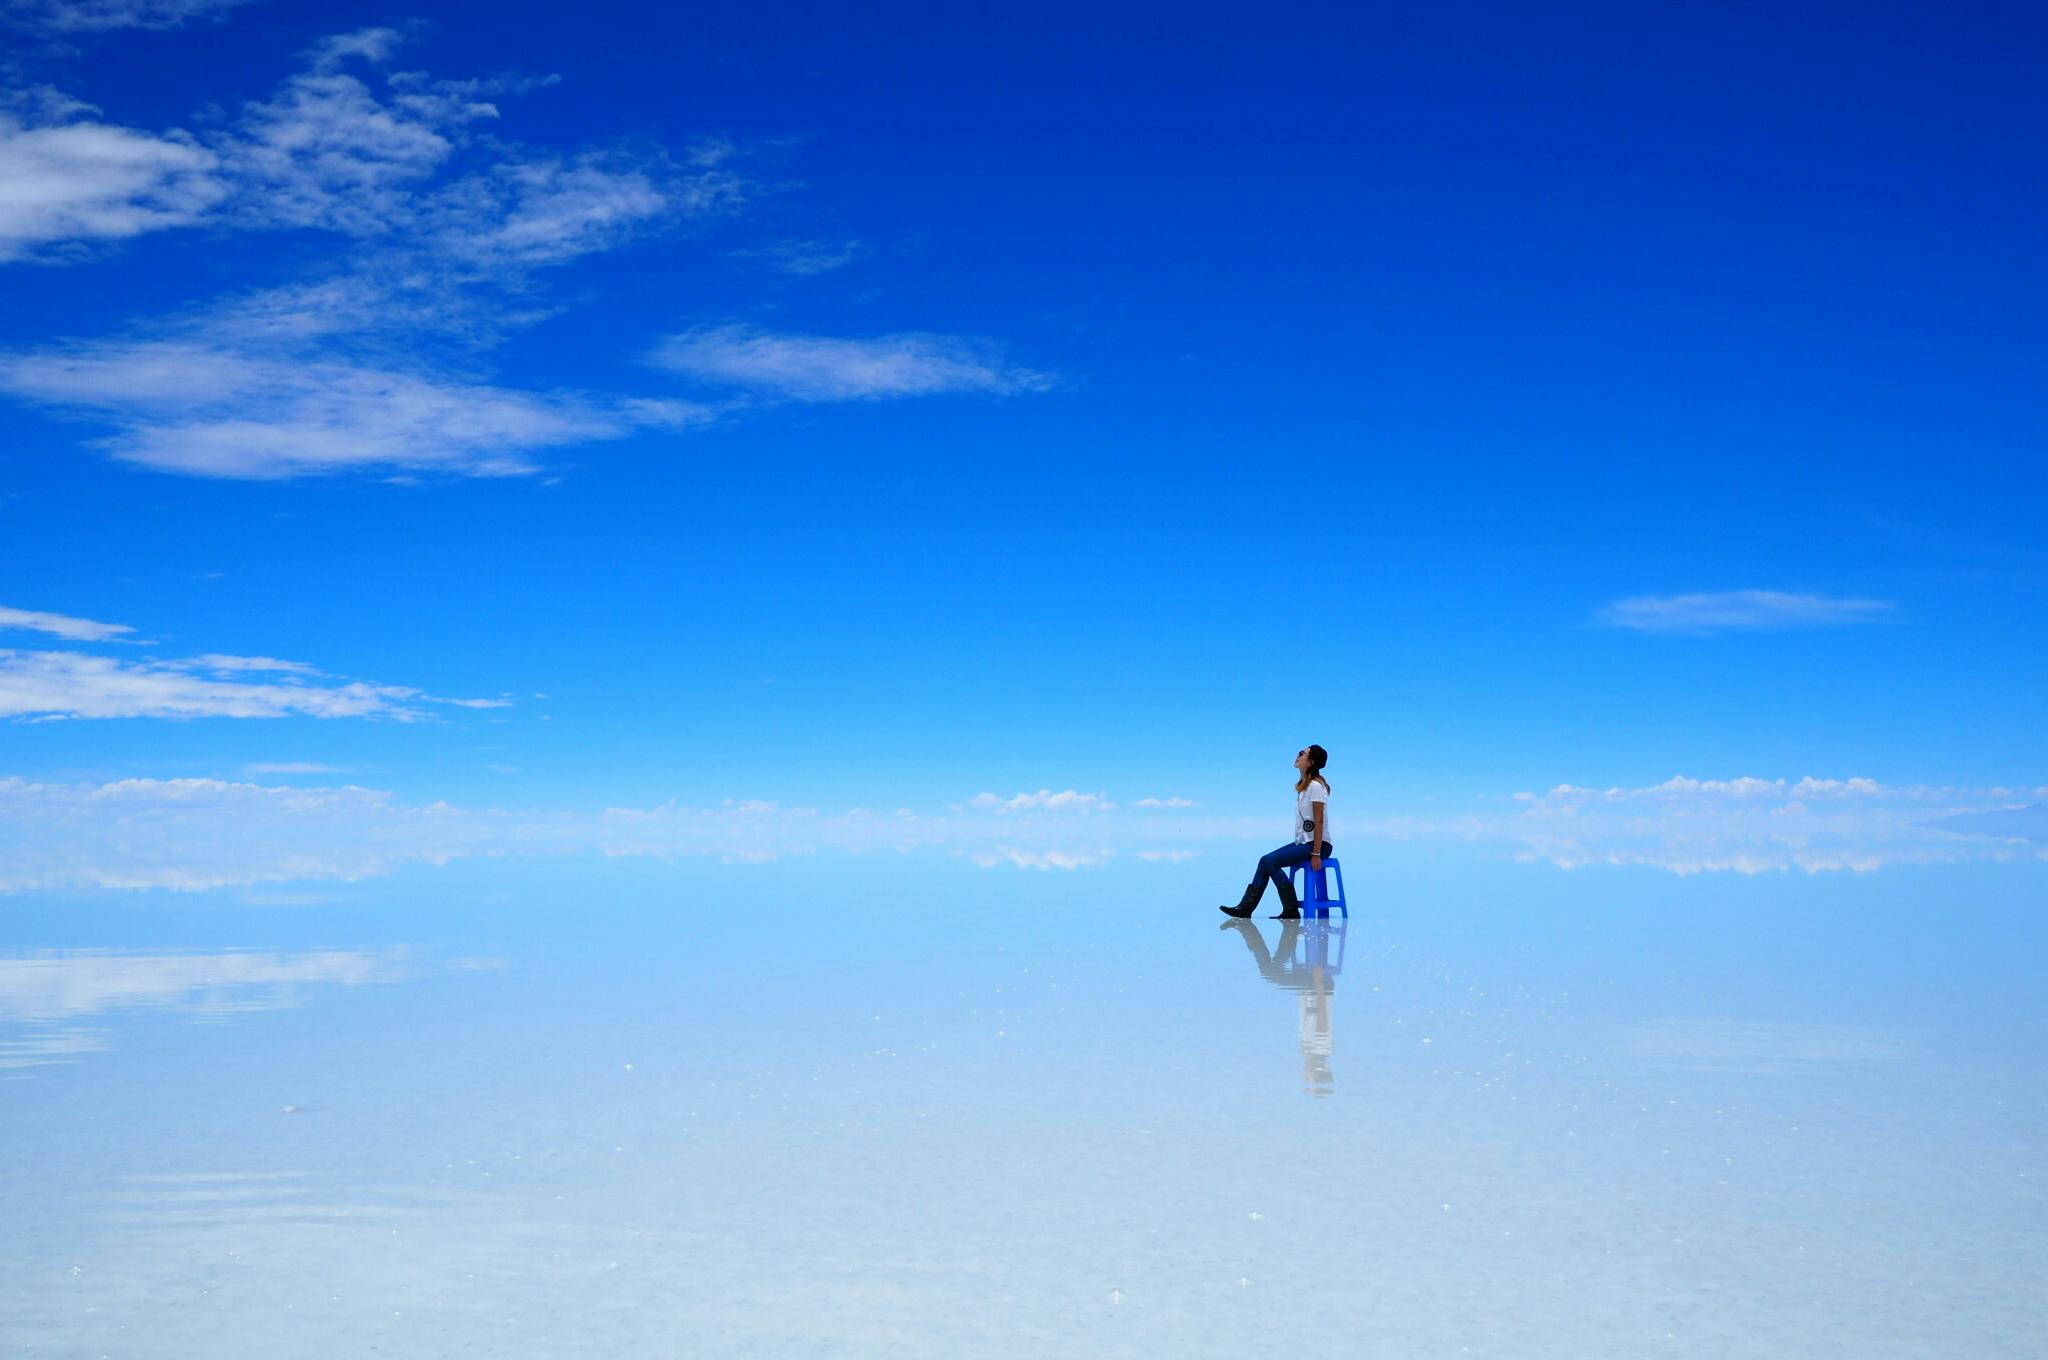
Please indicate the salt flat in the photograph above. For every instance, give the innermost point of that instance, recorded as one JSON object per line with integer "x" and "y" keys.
{"x": 902, "y": 1106}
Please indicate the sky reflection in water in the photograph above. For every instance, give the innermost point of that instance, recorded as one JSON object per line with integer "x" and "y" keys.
{"x": 972, "y": 1112}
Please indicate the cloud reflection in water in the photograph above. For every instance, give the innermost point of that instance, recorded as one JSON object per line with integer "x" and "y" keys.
{"x": 43, "y": 996}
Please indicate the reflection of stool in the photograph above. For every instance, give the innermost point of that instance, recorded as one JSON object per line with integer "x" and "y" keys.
{"x": 1317, "y": 900}
{"x": 1316, "y": 948}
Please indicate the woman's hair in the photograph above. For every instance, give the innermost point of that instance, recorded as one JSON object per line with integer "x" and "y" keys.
{"x": 1317, "y": 758}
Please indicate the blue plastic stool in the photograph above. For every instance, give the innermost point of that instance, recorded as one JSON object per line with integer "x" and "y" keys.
{"x": 1316, "y": 901}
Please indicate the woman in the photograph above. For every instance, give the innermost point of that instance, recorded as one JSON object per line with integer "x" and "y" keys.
{"x": 1311, "y": 796}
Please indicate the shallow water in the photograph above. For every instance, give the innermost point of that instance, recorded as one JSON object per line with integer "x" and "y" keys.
{"x": 867, "y": 1105}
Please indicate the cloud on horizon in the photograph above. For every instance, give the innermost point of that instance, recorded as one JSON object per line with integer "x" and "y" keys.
{"x": 203, "y": 833}
{"x": 1727, "y": 610}
{"x": 194, "y": 834}
{"x": 1066, "y": 801}
{"x": 1751, "y": 825}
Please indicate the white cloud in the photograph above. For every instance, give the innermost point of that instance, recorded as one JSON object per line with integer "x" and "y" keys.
{"x": 101, "y": 16}
{"x": 66, "y": 187}
{"x": 1737, "y": 609}
{"x": 60, "y": 625}
{"x": 209, "y": 833}
{"x": 345, "y": 146}
{"x": 187, "y": 406}
{"x": 1749, "y": 825}
{"x": 442, "y": 223}
{"x": 544, "y": 210}
{"x": 220, "y": 661}
{"x": 2022, "y": 823}
{"x": 1067, "y": 801}
{"x": 1165, "y": 803}
{"x": 328, "y": 151}
{"x": 806, "y": 258}
{"x": 52, "y": 685}
{"x": 1041, "y": 859}
{"x": 398, "y": 157}
{"x": 1682, "y": 787}
{"x": 373, "y": 367}
{"x": 826, "y": 368}
{"x": 192, "y": 834}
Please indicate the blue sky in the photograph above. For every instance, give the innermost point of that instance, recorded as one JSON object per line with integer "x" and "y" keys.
{"x": 856, "y": 410}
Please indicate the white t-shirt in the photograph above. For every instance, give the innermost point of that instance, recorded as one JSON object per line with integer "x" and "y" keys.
{"x": 1316, "y": 792}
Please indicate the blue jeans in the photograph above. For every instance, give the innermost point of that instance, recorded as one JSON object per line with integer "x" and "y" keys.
{"x": 1273, "y": 867}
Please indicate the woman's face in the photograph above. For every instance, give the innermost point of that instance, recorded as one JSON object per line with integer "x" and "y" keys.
{"x": 1301, "y": 760}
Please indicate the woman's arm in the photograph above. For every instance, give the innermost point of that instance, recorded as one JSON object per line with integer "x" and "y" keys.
{"x": 1315, "y": 850}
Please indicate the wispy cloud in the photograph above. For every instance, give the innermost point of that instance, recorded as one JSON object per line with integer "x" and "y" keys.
{"x": 187, "y": 405}
{"x": 1165, "y": 803}
{"x": 60, "y": 625}
{"x": 1738, "y": 609}
{"x": 102, "y": 16}
{"x": 440, "y": 228}
{"x": 441, "y": 223}
{"x": 805, "y": 258}
{"x": 56, "y": 685}
{"x": 346, "y": 146}
{"x": 221, "y": 661}
{"x": 2022, "y": 822}
{"x": 828, "y": 368}
{"x": 365, "y": 157}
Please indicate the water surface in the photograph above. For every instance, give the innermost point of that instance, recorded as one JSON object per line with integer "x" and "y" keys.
{"x": 855, "y": 1106}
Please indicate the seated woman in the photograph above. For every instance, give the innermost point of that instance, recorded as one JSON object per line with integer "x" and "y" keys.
{"x": 1311, "y": 827}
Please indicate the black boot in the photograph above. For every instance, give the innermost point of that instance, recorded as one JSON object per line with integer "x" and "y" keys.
{"x": 1253, "y": 891}
{"x": 1290, "y": 905}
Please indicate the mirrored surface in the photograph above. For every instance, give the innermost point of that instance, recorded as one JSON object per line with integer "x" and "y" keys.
{"x": 849, "y": 1107}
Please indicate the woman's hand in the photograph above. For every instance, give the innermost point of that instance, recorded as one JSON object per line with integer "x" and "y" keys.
{"x": 1315, "y": 862}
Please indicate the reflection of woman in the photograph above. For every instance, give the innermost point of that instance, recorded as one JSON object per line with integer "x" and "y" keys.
{"x": 1313, "y": 983}
{"x": 1311, "y": 831}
